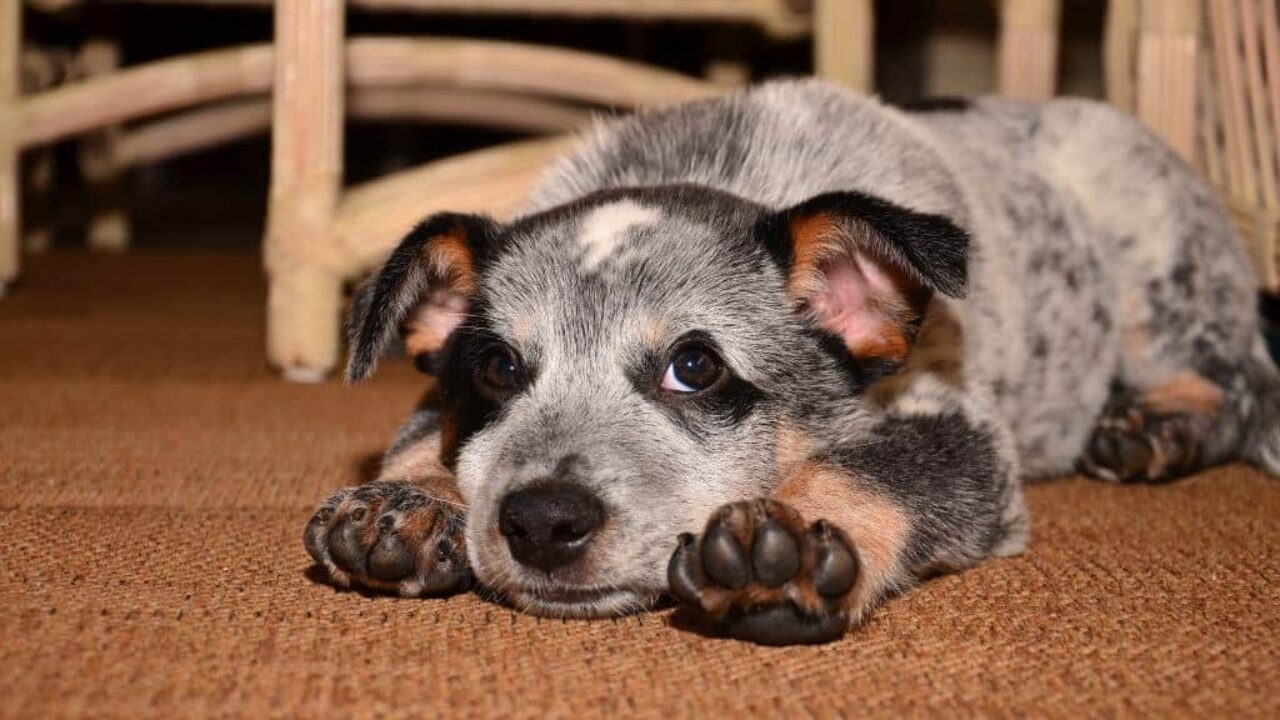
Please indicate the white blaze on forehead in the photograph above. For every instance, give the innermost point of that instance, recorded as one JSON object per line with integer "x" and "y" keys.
{"x": 607, "y": 226}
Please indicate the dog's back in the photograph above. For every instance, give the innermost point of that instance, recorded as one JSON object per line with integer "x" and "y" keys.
{"x": 1102, "y": 268}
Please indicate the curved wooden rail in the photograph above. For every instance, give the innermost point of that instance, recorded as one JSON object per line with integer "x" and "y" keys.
{"x": 373, "y": 217}
{"x": 783, "y": 18}
{"x": 517, "y": 67}
{"x": 371, "y": 62}
{"x": 143, "y": 90}
{"x": 226, "y": 122}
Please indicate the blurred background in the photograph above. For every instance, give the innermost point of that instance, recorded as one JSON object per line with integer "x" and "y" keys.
{"x": 148, "y": 123}
{"x": 923, "y": 48}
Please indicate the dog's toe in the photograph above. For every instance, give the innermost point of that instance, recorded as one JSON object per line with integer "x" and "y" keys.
{"x": 345, "y": 546}
{"x": 775, "y": 556}
{"x": 390, "y": 560}
{"x": 1119, "y": 452}
{"x": 723, "y": 559}
{"x": 683, "y": 576}
{"x": 836, "y": 566}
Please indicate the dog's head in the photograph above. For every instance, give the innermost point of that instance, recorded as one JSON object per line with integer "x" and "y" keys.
{"x": 614, "y": 369}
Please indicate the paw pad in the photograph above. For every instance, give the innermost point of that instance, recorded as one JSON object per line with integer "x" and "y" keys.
{"x": 764, "y": 577}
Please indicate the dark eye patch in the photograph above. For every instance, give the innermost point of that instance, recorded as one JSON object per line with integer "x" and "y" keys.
{"x": 469, "y": 404}
{"x": 728, "y": 401}
{"x": 498, "y": 371}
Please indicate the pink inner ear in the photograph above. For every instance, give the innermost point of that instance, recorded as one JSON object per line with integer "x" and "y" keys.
{"x": 432, "y": 322}
{"x": 851, "y": 303}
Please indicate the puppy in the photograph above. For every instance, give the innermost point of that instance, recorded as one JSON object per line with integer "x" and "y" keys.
{"x": 783, "y": 354}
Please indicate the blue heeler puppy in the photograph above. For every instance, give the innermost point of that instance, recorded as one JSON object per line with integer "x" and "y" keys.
{"x": 783, "y": 354}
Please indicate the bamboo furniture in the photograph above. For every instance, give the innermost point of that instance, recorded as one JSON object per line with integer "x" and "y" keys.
{"x": 10, "y": 73}
{"x": 1027, "y": 48}
{"x": 1240, "y": 133}
{"x": 1205, "y": 75}
{"x": 319, "y": 236}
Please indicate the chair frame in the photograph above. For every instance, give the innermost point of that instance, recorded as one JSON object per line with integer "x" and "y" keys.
{"x": 320, "y": 235}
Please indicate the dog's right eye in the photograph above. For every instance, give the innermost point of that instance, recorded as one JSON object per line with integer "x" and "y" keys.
{"x": 692, "y": 369}
{"x": 498, "y": 370}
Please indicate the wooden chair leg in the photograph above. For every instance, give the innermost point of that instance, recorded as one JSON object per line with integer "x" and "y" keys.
{"x": 1119, "y": 43}
{"x": 40, "y": 69}
{"x": 10, "y": 189}
{"x": 1027, "y": 56}
{"x": 844, "y": 42}
{"x": 300, "y": 252}
{"x": 108, "y": 222}
{"x": 1168, "y": 48}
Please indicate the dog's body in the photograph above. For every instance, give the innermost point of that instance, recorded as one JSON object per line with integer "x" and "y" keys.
{"x": 897, "y": 316}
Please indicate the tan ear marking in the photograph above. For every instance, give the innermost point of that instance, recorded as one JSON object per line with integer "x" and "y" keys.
{"x": 884, "y": 320}
{"x": 451, "y": 258}
{"x": 811, "y": 240}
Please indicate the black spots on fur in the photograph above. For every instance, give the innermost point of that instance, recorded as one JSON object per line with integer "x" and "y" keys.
{"x": 1040, "y": 348}
{"x": 1181, "y": 276}
{"x": 704, "y": 134}
{"x": 1055, "y": 262}
{"x": 1170, "y": 307}
{"x": 946, "y": 471}
{"x": 938, "y": 105}
{"x": 1101, "y": 317}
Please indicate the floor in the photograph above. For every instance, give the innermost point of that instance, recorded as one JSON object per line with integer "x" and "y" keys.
{"x": 154, "y": 480}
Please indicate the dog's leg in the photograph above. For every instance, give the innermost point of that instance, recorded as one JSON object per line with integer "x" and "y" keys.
{"x": 1154, "y": 436}
{"x": 1188, "y": 423}
{"x": 402, "y": 533}
{"x": 926, "y": 494}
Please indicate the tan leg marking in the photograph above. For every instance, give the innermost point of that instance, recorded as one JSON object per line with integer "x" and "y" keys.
{"x": 1186, "y": 393}
{"x": 791, "y": 447}
{"x": 877, "y": 527}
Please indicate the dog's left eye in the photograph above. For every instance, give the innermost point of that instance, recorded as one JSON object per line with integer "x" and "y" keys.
{"x": 499, "y": 371}
{"x": 692, "y": 369}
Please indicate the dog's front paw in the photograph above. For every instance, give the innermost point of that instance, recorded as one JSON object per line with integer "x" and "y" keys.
{"x": 392, "y": 537}
{"x": 763, "y": 576}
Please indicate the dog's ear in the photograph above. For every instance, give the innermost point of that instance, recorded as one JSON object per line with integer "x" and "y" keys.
{"x": 864, "y": 269}
{"x": 423, "y": 290}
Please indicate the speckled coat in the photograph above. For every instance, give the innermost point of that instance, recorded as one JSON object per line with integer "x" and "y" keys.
{"x": 910, "y": 313}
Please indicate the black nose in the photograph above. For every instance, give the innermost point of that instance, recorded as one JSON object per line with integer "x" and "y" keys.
{"x": 549, "y": 526}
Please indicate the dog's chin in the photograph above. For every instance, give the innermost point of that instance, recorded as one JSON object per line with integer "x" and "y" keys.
{"x": 565, "y": 602}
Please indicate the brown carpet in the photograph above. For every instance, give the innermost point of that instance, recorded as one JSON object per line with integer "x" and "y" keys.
{"x": 155, "y": 480}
